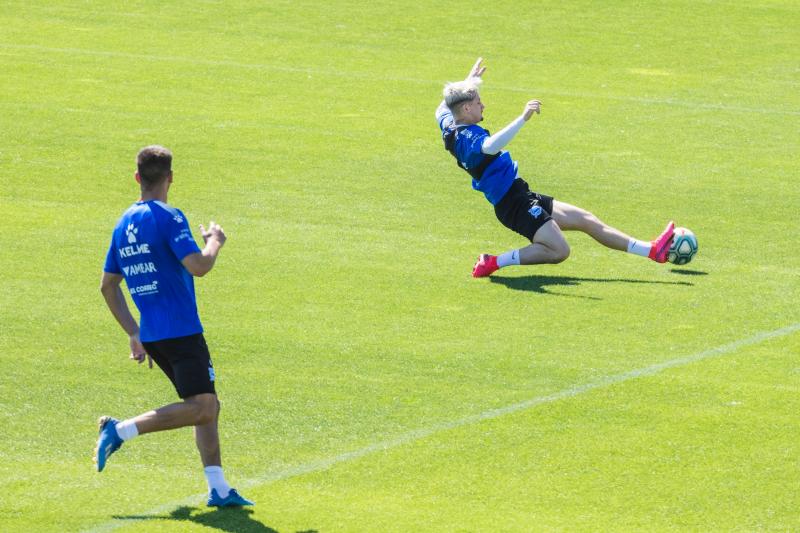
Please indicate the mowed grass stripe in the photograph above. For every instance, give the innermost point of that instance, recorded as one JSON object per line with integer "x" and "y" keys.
{"x": 711, "y": 106}
{"x": 418, "y": 434}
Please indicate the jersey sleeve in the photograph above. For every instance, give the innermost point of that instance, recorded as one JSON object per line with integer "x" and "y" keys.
{"x": 444, "y": 116}
{"x": 112, "y": 265}
{"x": 494, "y": 143}
{"x": 179, "y": 235}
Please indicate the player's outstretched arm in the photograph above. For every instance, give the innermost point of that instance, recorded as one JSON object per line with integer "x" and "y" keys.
{"x": 199, "y": 264}
{"x": 494, "y": 143}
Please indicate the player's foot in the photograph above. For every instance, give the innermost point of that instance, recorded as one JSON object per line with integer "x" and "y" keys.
{"x": 233, "y": 499}
{"x": 659, "y": 250}
{"x": 107, "y": 443}
{"x": 485, "y": 266}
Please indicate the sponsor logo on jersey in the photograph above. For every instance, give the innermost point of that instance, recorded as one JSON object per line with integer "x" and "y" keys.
{"x": 130, "y": 251}
{"x": 131, "y": 232}
{"x": 185, "y": 234}
{"x": 142, "y": 290}
{"x": 139, "y": 268}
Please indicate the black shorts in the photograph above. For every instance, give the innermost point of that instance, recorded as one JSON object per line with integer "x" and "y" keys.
{"x": 186, "y": 362}
{"x": 523, "y": 210}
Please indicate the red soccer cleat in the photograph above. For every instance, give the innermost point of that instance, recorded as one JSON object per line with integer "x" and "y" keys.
{"x": 659, "y": 250}
{"x": 485, "y": 266}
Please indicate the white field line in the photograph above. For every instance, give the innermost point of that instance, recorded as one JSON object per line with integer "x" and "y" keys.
{"x": 361, "y": 75}
{"x": 417, "y": 434}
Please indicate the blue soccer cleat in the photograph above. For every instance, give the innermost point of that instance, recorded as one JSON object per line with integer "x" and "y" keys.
{"x": 107, "y": 443}
{"x": 233, "y": 499}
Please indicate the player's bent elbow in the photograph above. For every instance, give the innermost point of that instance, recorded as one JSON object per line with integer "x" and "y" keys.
{"x": 204, "y": 270}
{"x": 197, "y": 265}
{"x": 489, "y": 149}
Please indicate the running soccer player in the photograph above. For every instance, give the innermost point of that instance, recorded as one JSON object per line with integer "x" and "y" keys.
{"x": 539, "y": 218}
{"x": 153, "y": 250}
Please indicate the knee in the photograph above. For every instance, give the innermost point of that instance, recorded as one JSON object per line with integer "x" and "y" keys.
{"x": 561, "y": 253}
{"x": 206, "y": 408}
{"x": 213, "y": 409}
{"x": 206, "y": 414}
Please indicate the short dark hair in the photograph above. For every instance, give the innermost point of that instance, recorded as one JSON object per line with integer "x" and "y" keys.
{"x": 154, "y": 164}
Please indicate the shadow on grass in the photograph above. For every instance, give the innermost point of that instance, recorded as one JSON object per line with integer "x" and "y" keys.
{"x": 684, "y": 272}
{"x": 540, "y": 284}
{"x": 233, "y": 519}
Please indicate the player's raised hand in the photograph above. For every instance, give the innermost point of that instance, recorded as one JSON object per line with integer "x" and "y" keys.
{"x": 477, "y": 70}
{"x": 214, "y": 232}
{"x": 534, "y": 106}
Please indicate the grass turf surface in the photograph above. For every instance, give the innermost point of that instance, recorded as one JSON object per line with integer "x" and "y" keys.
{"x": 347, "y": 334}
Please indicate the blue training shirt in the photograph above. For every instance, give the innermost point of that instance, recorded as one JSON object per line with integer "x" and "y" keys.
{"x": 147, "y": 246}
{"x": 498, "y": 176}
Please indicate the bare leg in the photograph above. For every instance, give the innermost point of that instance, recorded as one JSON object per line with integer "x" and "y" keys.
{"x": 195, "y": 410}
{"x": 548, "y": 246}
{"x": 571, "y": 218}
{"x": 206, "y": 436}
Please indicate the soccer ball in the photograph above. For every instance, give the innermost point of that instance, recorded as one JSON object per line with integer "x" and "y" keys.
{"x": 683, "y": 247}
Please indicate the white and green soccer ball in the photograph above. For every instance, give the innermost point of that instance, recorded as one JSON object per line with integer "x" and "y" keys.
{"x": 683, "y": 247}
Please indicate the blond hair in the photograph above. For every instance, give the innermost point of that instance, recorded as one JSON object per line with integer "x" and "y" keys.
{"x": 458, "y": 92}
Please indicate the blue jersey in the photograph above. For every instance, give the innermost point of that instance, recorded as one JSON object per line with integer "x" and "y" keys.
{"x": 497, "y": 177}
{"x": 147, "y": 247}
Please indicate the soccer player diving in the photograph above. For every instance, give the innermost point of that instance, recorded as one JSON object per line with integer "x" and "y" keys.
{"x": 537, "y": 217}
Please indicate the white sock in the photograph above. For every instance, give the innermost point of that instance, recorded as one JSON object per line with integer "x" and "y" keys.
{"x": 216, "y": 480}
{"x": 508, "y": 258}
{"x": 639, "y": 247}
{"x": 127, "y": 429}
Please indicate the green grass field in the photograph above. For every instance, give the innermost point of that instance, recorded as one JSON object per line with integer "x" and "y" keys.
{"x": 368, "y": 382}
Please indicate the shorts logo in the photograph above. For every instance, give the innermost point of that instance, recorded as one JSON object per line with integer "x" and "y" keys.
{"x": 210, "y": 372}
{"x": 535, "y": 211}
